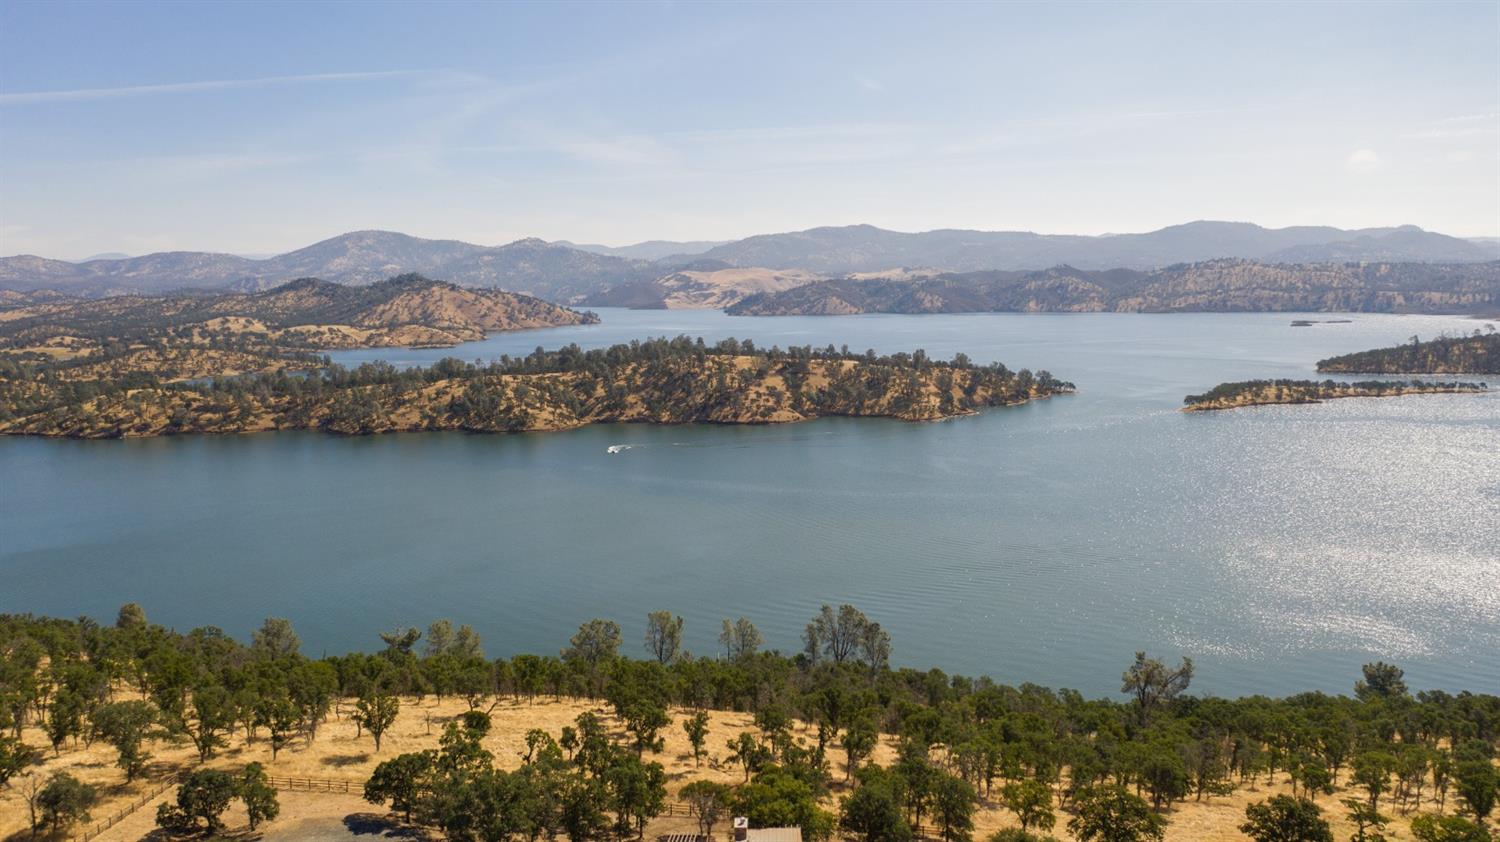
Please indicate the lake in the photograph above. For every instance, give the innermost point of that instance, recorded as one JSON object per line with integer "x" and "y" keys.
{"x": 1280, "y": 547}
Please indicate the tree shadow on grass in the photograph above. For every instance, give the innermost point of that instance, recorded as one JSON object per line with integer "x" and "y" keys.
{"x": 385, "y": 826}
{"x": 342, "y": 760}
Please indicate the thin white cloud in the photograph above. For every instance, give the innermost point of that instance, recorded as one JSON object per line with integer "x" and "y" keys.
{"x": 1192, "y": 112}
{"x": 870, "y": 84}
{"x": 1459, "y": 127}
{"x": 1470, "y": 118}
{"x": 203, "y": 163}
{"x": 1363, "y": 161}
{"x": 621, "y": 150}
{"x": 1454, "y": 133}
{"x": 228, "y": 162}
{"x": 85, "y": 94}
{"x": 757, "y": 134}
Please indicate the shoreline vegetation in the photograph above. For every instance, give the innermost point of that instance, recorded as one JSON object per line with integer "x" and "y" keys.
{"x": 1270, "y": 392}
{"x": 658, "y": 381}
{"x": 593, "y": 745}
{"x": 1478, "y": 353}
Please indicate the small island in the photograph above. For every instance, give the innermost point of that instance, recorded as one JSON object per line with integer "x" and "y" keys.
{"x": 1478, "y": 353}
{"x": 659, "y": 381}
{"x": 1267, "y": 392}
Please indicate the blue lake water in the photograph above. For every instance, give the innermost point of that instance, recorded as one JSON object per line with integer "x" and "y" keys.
{"x": 1280, "y": 547}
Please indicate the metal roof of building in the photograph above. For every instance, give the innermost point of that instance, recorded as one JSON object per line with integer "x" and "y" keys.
{"x": 775, "y": 834}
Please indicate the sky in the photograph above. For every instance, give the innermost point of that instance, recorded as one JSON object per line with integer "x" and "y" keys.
{"x": 259, "y": 128}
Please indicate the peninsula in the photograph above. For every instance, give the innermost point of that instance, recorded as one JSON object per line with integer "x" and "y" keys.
{"x": 1475, "y": 354}
{"x": 661, "y": 381}
{"x": 1265, "y": 392}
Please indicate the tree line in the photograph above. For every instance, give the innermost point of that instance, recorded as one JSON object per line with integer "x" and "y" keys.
{"x": 1312, "y": 391}
{"x": 1107, "y": 769}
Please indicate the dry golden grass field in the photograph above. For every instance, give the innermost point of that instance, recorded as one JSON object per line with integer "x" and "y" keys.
{"x": 336, "y": 754}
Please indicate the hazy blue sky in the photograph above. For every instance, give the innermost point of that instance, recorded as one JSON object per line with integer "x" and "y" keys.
{"x": 137, "y": 127}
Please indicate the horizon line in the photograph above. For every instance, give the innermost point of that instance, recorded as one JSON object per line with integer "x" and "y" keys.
{"x": 574, "y": 242}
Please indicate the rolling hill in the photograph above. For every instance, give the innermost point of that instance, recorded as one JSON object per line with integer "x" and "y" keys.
{"x": 405, "y": 310}
{"x": 702, "y": 286}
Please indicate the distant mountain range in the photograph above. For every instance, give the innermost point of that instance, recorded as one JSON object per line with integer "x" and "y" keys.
{"x": 533, "y": 267}
{"x": 864, "y": 248}
{"x": 567, "y": 273}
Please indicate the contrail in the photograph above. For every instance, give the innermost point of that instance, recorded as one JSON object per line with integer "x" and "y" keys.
{"x": 81, "y": 94}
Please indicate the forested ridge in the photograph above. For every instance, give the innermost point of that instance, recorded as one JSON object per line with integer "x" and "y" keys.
{"x": 921, "y": 751}
{"x": 677, "y": 380}
{"x": 1263, "y": 392}
{"x": 1476, "y": 354}
{"x": 1227, "y": 285}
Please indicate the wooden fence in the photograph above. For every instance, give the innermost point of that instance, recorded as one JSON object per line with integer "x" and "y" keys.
{"x": 290, "y": 784}
{"x": 347, "y": 786}
{"x": 140, "y": 801}
{"x": 334, "y": 785}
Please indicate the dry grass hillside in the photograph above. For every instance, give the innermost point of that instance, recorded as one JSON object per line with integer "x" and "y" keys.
{"x": 308, "y": 313}
{"x": 338, "y": 754}
{"x": 697, "y": 289}
{"x": 719, "y": 289}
